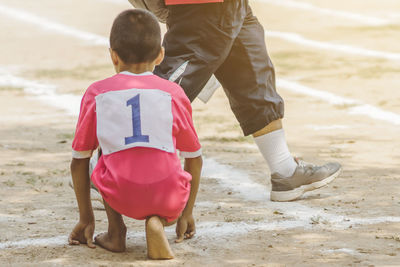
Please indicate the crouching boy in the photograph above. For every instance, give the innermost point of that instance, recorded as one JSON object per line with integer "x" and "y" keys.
{"x": 139, "y": 121}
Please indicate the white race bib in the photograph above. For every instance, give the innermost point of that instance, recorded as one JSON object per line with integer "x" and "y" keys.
{"x": 134, "y": 118}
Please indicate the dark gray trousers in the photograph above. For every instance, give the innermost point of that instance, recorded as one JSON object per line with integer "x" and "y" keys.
{"x": 227, "y": 40}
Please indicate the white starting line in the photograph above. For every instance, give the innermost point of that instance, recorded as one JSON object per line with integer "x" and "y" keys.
{"x": 342, "y": 48}
{"x": 71, "y": 103}
{"x": 364, "y": 19}
{"x": 300, "y": 216}
{"x": 101, "y": 40}
{"x": 43, "y": 92}
{"x": 47, "y": 24}
{"x": 356, "y": 107}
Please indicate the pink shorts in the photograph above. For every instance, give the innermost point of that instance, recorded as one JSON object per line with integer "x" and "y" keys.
{"x": 165, "y": 198}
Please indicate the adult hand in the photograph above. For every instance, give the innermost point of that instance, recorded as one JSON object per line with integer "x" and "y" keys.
{"x": 82, "y": 234}
{"x": 185, "y": 228}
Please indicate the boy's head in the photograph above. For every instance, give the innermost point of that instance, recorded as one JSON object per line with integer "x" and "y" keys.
{"x": 136, "y": 36}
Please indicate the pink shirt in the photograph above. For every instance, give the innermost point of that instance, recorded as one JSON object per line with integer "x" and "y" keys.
{"x": 142, "y": 162}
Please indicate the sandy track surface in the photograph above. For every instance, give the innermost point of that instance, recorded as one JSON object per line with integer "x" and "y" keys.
{"x": 341, "y": 105}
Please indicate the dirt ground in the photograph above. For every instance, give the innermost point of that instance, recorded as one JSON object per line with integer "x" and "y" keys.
{"x": 355, "y": 221}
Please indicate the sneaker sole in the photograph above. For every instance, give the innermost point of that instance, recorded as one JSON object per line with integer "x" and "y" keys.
{"x": 298, "y": 192}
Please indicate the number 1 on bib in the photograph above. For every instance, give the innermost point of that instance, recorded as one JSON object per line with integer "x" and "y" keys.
{"x": 136, "y": 123}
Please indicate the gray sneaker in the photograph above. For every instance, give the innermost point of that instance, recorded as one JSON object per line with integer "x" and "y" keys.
{"x": 306, "y": 177}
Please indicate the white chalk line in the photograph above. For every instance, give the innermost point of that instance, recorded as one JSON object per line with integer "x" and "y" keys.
{"x": 356, "y": 107}
{"x": 49, "y": 95}
{"x": 301, "y": 216}
{"x": 364, "y": 19}
{"x": 207, "y": 231}
{"x": 289, "y": 36}
{"x": 71, "y": 103}
{"x": 341, "y": 250}
{"x": 43, "y": 92}
{"x": 347, "y": 49}
{"x": 31, "y": 242}
{"x": 47, "y": 24}
{"x": 239, "y": 181}
{"x": 100, "y": 40}
{"x": 329, "y": 127}
{"x": 28, "y": 117}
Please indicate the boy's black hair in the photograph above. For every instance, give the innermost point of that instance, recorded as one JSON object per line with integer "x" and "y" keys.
{"x": 136, "y": 36}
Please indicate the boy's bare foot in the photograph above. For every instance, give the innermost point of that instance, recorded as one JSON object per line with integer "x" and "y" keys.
{"x": 157, "y": 243}
{"x": 115, "y": 239}
{"x": 114, "y": 242}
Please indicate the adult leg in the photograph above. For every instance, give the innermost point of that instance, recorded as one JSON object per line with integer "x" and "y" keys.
{"x": 114, "y": 240}
{"x": 198, "y": 40}
{"x": 248, "y": 78}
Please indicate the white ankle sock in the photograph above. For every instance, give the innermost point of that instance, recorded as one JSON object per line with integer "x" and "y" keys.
{"x": 276, "y": 152}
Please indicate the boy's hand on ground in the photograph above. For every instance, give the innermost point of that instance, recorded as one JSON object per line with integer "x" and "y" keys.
{"x": 185, "y": 228}
{"x": 82, "y": 234}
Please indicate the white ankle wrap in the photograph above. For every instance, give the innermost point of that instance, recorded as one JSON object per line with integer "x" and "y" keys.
{"x": 274, "y": 149}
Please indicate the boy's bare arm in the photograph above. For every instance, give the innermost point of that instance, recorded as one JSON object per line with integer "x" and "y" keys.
{"x": 84, "y": 229}
{"x": 185, "y": 227}
{"x": 193, "y": 166}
